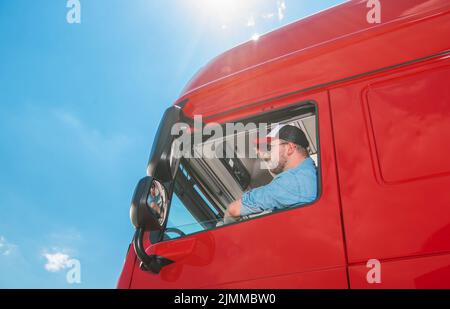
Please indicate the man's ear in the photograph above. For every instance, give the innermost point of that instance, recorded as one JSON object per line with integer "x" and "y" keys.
{"x": 291, "y": 148}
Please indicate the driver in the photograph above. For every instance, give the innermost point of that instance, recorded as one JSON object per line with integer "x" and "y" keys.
{"x": 154, "y": 201}
{"x": 295, "y": 181}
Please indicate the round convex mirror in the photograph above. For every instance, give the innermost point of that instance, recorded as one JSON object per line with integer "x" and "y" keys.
{"x": 157, "y": 201}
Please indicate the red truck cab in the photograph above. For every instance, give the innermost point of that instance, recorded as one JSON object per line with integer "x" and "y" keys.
{"x": 374, "y": 101}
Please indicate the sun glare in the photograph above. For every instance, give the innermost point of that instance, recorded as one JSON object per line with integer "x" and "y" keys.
{"x": 222, "y": 7}
{"x": 225, "y": 11}
{"x": 238, "y": 15}
{"x": 255, "y": 37}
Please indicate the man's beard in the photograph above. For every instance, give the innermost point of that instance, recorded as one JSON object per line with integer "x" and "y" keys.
{"x": 277, "y": 165}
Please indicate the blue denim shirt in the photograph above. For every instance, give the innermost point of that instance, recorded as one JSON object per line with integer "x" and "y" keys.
{"x": 293, "y": 187}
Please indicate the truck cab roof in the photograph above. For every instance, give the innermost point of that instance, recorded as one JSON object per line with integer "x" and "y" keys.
{"x": 325, "y": 48}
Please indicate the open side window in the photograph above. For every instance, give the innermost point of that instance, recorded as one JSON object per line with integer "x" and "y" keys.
{"x": 204, "y": 186}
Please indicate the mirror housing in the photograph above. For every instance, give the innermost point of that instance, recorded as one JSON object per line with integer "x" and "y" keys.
{"x": 159, "y": 165}
{"x": 148, "y": 212}
{"x": 149, "y": 204}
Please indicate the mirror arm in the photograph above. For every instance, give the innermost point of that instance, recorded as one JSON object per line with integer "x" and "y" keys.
{"x": 152, "y": 263}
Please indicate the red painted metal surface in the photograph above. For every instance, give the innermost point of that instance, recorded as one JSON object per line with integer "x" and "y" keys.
{"x": 327, "y": 47}
{"x": 410, "y": 273}
{"x": 396, "y": 211}
{"x": 384, "y": 155}
{"x": 302, "y": 243}
{"x": 128, "y": 269}
{"x": 346, "y": 21}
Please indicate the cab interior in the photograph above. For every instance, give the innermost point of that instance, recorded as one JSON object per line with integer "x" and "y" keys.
{"x": 206, "y": 185}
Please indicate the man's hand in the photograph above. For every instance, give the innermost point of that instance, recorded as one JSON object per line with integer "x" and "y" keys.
{"x": 156, "y": 209}
{"x": 233, "y": 211}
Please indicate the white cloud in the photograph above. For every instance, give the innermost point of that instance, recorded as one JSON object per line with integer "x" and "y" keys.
{"x": 103, "y": 148}
{"x": 267, "y": 15}
{"x": 56, "y": 261}
{"x": 281, "y": 9}
{"x": 232, "y": 14}
{"x": 6, "y": 248}
{"x": 63, "y": 237}
{"x": 70, "y": 138}
{"x": 60, "y": 255}
{"x": 251, "y": 22}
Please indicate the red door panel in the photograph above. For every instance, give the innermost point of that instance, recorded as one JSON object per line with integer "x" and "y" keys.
{"x": 301, "y": 247}
{"x": 415, "y": 273}
{"x": 393, "y": 155}
{"x": 307, "y": 280}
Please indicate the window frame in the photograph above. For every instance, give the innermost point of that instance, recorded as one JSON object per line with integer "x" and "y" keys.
{"x": 270, "y": 117}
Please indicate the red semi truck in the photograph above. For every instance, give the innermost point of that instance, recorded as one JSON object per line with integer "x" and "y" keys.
{"x": 374, "y": 102}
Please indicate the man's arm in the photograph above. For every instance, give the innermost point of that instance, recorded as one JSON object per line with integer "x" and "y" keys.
{"x": 233, "y": 211}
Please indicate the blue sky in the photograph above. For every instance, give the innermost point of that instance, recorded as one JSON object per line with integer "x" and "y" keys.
{"x": 79, "y": 108}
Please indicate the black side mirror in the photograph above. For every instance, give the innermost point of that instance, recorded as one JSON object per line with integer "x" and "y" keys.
{"x": 149, "y": 205}
{"x": 148, "y": 213}
{"x": 159, "y": 165}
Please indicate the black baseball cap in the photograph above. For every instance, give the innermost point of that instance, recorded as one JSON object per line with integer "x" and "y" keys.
{"x": 288, "y": 133}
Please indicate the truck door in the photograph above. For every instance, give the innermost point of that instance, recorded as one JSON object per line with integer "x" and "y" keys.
{"x": 301, "y": 247}
{"x": 393, "y": 155}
